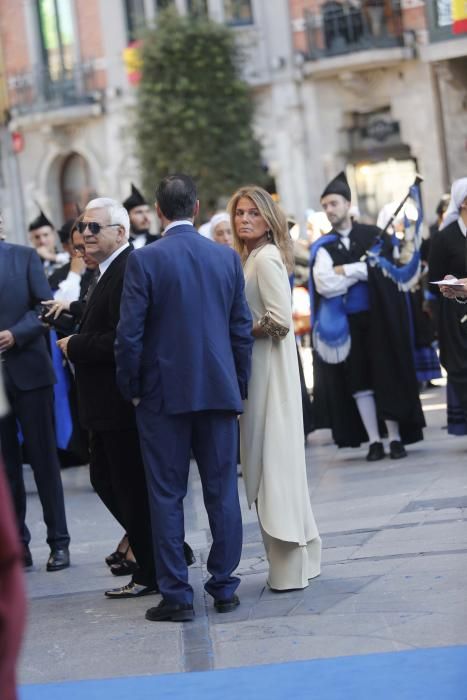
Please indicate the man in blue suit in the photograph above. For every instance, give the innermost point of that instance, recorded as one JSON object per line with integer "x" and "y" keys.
{"x": 29, "y": 379}
{"x": 183, "y": 355}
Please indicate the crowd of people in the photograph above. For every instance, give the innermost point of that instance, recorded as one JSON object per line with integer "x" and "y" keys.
{"x": 150, "y": 349}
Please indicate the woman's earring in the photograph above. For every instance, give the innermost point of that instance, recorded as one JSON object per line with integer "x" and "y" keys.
{"x": 269, "y": 235}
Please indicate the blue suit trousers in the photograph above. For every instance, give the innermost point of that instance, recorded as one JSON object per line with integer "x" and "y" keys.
{"x": 166, "y": 442}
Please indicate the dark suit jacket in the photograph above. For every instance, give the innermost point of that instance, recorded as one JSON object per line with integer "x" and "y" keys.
{"x": 23, "y": 285}
{"x": 100, "y": 404}
{"x": 184, "y": 336}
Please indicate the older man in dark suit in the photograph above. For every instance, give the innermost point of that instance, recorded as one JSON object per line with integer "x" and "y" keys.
{"x": 183, "y": 356}
{"x": 116, "y": 467}
{"x": 29, "y": 380}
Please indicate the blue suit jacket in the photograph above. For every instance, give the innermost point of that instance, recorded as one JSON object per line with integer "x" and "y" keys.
{"x": 23, "y": 285}
{"x": 184, "y": 337}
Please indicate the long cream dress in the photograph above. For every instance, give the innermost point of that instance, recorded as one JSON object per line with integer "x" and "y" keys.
{"x": 271, "y": 430}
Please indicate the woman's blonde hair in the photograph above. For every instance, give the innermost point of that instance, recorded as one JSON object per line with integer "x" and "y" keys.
{"x": 273, "y": 216}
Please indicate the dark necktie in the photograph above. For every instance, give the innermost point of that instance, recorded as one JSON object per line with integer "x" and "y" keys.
{"x": 92, "y": 285}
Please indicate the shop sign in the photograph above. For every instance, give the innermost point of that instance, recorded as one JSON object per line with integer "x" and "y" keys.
{"x": 380, "y": 130}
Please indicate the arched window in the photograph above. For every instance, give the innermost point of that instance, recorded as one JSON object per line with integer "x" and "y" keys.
{"x": 75, "y": 185}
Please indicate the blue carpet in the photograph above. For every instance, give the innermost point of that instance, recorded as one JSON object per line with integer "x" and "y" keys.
{"x": 424, "y": 674}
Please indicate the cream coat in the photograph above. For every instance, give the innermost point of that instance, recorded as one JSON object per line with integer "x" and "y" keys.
{"x": 271, "y": 428}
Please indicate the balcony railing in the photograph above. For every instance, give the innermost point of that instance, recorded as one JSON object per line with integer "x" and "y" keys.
{"x": 341, "y": 27}
{"x": 39, "y": 91}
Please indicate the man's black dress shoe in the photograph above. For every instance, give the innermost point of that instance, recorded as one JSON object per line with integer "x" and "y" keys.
{"x": 59, "y": 559}
{"x": 397, "y": 450}
{"x": 170, "y": 612}
{"x": 27, "y": 557}
{"x": 225, "y": 606}
{"x": 375, "y": 452}
{"x": 189, "y": 554}
{"x": 131, "y": 590}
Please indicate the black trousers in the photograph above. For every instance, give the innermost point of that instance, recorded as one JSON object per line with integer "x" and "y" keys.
{"x": 117, "y": 475}
{"x": 358, "y": 365}
{"x": 34, "y": 411}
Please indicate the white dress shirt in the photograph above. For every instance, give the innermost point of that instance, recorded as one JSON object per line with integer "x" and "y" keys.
{"x": 182, "y": 222}
{"x": 103, "y": 266}
{"x": 139, "y": 241}
{"x": 327, "y": 282}
{"x": 69, "y": 289}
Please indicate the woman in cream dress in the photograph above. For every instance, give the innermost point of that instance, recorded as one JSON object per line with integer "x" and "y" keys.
{"x": 271, "y": 427}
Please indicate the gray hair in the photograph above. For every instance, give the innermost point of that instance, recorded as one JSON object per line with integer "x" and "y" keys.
{"x": 117, "y": 212}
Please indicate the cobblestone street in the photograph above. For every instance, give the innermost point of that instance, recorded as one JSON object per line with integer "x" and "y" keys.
{"x": 393, "y": 578}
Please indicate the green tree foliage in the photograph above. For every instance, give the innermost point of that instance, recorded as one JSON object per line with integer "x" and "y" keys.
{"x": 194, "y": 111}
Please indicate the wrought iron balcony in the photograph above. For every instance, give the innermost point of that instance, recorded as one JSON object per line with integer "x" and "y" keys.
{"x": 39, "y": 91}
{"x": 341, "y": 27}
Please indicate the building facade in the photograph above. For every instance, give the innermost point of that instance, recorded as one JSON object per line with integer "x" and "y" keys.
{"x": 384, "y": 84}
{"x": 68, "y": 98}
{"x": 65, "y": 136}
{"x": 378, "y": 87}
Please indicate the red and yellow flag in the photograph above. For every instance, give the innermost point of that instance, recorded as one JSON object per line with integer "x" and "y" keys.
{"x": 133, "y": 61}
{"x": 459, "y": 16}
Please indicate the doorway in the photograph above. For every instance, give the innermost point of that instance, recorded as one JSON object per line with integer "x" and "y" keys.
{"x": 76, "y": 185}
{"x": 378, "y": 183}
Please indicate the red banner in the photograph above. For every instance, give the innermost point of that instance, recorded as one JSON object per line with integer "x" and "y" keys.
{"x": 459, "y": 16}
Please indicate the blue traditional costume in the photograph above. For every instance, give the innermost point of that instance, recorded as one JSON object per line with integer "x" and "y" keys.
{"x": 400, "y": 226}
{"x": 361, "y": 336}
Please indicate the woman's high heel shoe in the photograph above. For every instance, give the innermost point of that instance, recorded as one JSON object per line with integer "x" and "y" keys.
{"x": 125, "y": 567}
{"x": 119, "y": 554}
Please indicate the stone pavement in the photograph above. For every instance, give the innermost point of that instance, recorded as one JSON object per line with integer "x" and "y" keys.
{"x": 393, "y": 578}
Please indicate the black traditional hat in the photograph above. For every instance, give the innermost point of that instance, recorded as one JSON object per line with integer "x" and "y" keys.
{"x": 338, "y": 185}
{"x": 135, "y": 199}
{"x": 40, "y": 221}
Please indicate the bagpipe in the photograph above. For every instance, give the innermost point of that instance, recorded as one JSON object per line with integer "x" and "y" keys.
{"x": 407, "y": 274}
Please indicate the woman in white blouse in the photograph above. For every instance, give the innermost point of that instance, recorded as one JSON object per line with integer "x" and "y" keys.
{"x": 271, "y": 427}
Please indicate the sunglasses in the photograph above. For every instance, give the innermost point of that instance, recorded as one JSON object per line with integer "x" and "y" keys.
{"x": 79, "y": 249}
{"x": 93, "y": 226}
